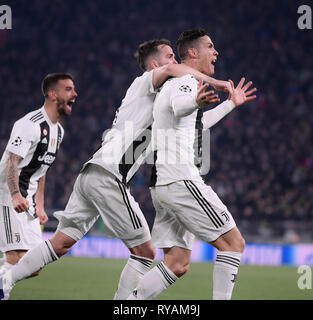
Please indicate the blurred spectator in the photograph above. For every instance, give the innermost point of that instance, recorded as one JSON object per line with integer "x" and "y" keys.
{"x": 261, "y": 154}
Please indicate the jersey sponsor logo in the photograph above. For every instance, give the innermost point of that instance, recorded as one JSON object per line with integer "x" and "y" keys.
{"x": 17, "y": 142}
{"x": 47, "y": 158}
{"x": 185, "y": 88}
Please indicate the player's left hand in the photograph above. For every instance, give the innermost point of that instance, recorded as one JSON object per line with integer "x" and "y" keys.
{"x": 205, "y": 97}
{"x": 41, "y": 214}
{"x": 241, "y": 94}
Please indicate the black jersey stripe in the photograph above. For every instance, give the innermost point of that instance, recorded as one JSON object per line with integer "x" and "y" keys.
{"x": 34, "y": 164}
{"x": 210, "y": 208}
{"x": 35, "y": 116}
{"x": 198, "y": 139}
{"x": 133, "y": 152}
{"x": 133, "y": 217}
{"x": 153, "y": 177}
{"x": 52, "y": 255}
{"x": 39, "y": 118}
{"x": 129, "y": 211}
{"x": 225, "y": 261}
{"x": 231, "y": 259}
{"x": 166, "y": 275}
{"x": 136, "y": 218}
{"x": 7, "y": 224}
{"x": 202, "y": 204}
{"x": 144, "y": 261}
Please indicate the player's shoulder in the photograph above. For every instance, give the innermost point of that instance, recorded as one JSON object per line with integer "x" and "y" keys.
{"x": 34, "y": 117}
{"x": 31, "y": 119}
{"x": 184, "y": 83}
{"x": 142, "y": 79}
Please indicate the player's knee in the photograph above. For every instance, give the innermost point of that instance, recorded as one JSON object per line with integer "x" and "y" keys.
{"x": 241, "y": 244}
{"x": 145, "y": 250}
{"x": 238, "y": 244}
{"x": 149, "y": 253}
{"x": 61, "y": 249}
{"x": 179, "y": 269}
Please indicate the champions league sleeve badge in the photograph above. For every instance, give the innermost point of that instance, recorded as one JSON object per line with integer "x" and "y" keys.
{"x": 17, "y": 142}
{"x": 185, "y": 88}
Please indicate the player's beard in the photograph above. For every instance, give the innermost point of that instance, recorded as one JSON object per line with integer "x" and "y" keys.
{"x": 62, "y": 107}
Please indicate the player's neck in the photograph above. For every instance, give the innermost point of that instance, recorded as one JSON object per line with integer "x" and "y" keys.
{"x": 51, "y": 112}
{"x": 192, "y": 63}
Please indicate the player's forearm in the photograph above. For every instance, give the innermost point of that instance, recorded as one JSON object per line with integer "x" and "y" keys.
{"x": 211, "y": 117}
{"x": 40, "y": 193}
{"x": 160, "y": 75}
{"x": 12, "y": 173}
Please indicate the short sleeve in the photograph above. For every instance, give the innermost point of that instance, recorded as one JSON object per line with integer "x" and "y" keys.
{"x": 146, "y": 83}
{"x": 23, "y": 135}
{"x": 186, "y": 85}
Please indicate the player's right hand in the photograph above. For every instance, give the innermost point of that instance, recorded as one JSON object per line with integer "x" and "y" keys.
{"x": 205, "y": 97}
{"x": 20, "y": 204}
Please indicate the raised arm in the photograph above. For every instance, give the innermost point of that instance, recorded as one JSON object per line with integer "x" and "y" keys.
{"x": 20, "y": 204}
{"x": 237, "y": 96}
{"x": 161, "y": 74}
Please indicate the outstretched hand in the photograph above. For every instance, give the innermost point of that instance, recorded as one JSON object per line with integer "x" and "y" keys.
{"x": 240, "y": 95}
{"x": 205, "y": 97}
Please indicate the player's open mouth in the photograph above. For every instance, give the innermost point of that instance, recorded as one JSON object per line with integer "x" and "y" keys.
{"x": 70, "y": 103}
{"x": 213, "y": 62}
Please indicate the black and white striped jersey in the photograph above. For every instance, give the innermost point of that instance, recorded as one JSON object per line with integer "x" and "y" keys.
{"x": 125, "y": 145}
{"x": 177, "y": 140}
{"x": 37, "y": 140}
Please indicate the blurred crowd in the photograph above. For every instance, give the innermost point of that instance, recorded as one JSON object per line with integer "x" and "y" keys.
{"x": 261, "y": 154}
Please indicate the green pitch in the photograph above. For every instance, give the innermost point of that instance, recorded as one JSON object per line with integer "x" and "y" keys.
{"x": 73, "y": 278}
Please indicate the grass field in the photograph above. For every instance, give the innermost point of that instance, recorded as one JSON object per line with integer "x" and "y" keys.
{"x": 73, "y": 278}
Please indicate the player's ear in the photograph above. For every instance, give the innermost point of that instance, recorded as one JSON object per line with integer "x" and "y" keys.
{"x": 153, "y": 63}
{"x": 192, "y": 52}
{"x": 52, "y": 95}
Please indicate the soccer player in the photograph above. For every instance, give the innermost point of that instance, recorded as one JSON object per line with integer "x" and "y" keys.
{"x": 32, "y": 148}
{"x": 101, "y": 187}
{"x": 185, "y": 206}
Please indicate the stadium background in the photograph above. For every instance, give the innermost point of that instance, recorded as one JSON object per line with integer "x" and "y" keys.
{"x": 261, "y": 154}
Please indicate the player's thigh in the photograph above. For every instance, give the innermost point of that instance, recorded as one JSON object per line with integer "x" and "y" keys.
{"x": 121, "y": 214}
{"x": 79, "y": 214}
{"x": 167, "y": 231}
{"x": 199, "y": 209}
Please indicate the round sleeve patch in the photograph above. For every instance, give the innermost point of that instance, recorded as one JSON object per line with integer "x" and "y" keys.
{"x": 17, "y": 142}
{"x": 185, "y": 88}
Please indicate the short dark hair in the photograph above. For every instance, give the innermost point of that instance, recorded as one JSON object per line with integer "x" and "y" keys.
{"x": 147, "y": 48}
{"x": 51, "y": 80}
{"x": 188, "y": 39}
